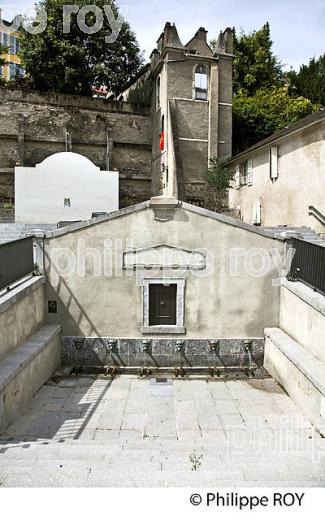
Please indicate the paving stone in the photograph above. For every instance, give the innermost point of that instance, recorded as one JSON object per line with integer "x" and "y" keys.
{"x": 133, "y": 432}
{"x": 133, "y": 421}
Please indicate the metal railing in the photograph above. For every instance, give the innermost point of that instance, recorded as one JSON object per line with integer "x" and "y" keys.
{"x": 16, "y": 261}
{"x": 317, "y": 214}
{"x": 308, "y": 264}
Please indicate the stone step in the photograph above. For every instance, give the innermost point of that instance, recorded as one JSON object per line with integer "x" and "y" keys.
{"x": 300, "y": 373}
{"x": 25, "y": 370}
{"x": 172, "y": 460}
{"x": 82, "y": 474}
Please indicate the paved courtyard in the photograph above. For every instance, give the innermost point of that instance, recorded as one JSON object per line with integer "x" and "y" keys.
{"x": 127, "y": 431}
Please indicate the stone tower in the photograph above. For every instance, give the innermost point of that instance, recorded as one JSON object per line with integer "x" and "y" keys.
{"x": 189, "y": 88}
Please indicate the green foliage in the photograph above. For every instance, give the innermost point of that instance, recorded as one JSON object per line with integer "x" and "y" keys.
{"x": 262, "y": 102}
{"x": 310, "y": 80}
{"x": 195, "y": 461}
{"x": 255, "y": 65}
{"x": 258, "y": 116}
{"x": 219, "y": 178}
{"x": 77, "y": 62}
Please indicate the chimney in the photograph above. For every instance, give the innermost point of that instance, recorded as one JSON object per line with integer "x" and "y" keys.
{"x": 171, "y": 38}
{"x": 201, "y": 34}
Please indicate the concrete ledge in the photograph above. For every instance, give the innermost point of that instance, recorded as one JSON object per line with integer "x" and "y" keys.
{"x": 313, "y": 369}
{"x": 24, "y": 371}
{"x": 308, "y": 295}
{"x": 162, "y": 329}
{"x": 299, "y": 372}
{"x": 22, "y": 290}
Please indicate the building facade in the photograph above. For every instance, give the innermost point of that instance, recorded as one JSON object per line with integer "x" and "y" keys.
{"x": 9, "y": 38}
{"x": 162, "y": 275}
{"x": 280, "y": 181}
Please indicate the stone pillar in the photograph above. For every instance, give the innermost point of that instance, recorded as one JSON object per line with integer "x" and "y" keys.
{"x": 21, "y": 141}
{"x": 68, "y": 140}
{"x": 213, "y": 111}
{"x": 109, "y": 149}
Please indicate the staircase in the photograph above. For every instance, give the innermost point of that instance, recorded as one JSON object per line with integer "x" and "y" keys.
{"x": 303, "y": 233}
{"x": 10, "y": 232}
{"x": 150, "y": 463}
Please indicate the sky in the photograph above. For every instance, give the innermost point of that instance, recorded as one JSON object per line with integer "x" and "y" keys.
{"x": 297, "y": 26}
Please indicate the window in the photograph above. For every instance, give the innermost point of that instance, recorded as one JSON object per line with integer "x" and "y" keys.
{"x": 201, "y": 83}
{"x": 12, "y": 70}
{"x": 246, "y": 173}
{"x": 158, "y": 93}
{"x": 243, "y": 168}
{"x": 163, "y": 306}
{"x": 15, "y": 70}
{"x": 12, "y": 45}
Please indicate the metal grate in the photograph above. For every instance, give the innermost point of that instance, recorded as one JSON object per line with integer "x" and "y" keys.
{"x": 16, "y": 261}
{"x": 308, "y": 264}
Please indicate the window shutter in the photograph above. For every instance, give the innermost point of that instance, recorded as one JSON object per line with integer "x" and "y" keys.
{"x": 274, "y": 170}
{"x": 237, "y": 178}
{"x": 256, "y": 213}
{"x": 250, "y": 172}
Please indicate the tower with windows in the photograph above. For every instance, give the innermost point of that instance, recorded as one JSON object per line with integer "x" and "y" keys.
{"x": 191, "y": 111}
{"x": 190, "y": 93}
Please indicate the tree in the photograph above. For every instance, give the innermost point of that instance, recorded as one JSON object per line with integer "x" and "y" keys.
{"x": 219, "y": 177}
{"x": 310, "y": 80}
{"x": 269, "y": 110}
{"x": 255, "y": 65}
{"x": 262, "y": 103}
{"x": 77, "y": 62}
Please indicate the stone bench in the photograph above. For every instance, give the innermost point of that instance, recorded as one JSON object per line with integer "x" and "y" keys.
{"x": 26, "y": 369}
{"x": 299, "y": 372}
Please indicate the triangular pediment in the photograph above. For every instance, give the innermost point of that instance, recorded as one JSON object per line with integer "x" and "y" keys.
{"x": 165, "y": 257}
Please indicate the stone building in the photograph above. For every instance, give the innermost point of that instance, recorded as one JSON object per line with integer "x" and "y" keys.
{"x": 9, "y": 38}
{"x": 159, "y": 133}
{"x": 280, "y": 181}
{"x": 189, "y": 88}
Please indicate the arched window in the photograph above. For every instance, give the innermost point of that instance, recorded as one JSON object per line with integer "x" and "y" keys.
{"x": 201, "y": 83}
{"x": 158, "y": 92}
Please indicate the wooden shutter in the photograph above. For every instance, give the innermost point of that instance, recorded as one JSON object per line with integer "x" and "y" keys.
{"x": 250, "y": 172}
{"x": 274, "y": 159}
{"x": 256, "y": 213}
{"x": 237, "y": 177}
